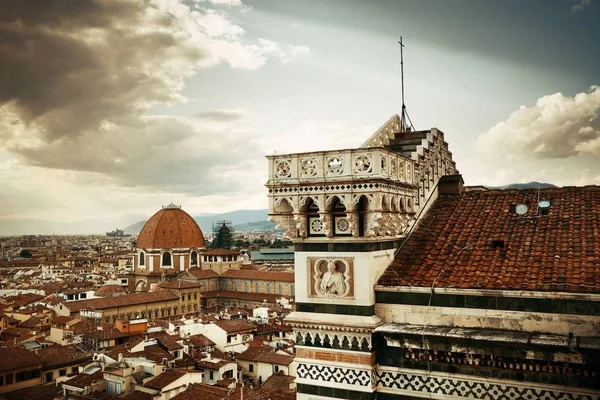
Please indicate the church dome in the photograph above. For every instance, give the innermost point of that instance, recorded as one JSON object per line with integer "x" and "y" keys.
{"x": 169, "y": 228}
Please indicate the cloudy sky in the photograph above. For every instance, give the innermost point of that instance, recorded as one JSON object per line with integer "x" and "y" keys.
{"x": 116, "y": 107}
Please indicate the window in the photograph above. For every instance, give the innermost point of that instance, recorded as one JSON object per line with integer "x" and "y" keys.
{"x": 212, "y": 375}
{"x": 256, "y": 287}
{"x": 194, "y": 258}
{"x": 189, "y": 296}
{"x": 229, "y": 339}
{"x": 195, "y": 296}
{"x": 280, "y": 289}
{"x": 1, "y": 380}
{"x": 62, "y": 372}
{"x": 277, "y": 368}
{"x": 251, "y": 367}
{"x": 142, "y": 259}
{"x": 9, "y": 379}
{"x": 83, "y": 295}
{"x": 166, "y": 259}
{"x": 49, "y": 377}
{"x": 183, "y": 297}
{"x": 228, "y": 373}
{"x": 27, "y": 375}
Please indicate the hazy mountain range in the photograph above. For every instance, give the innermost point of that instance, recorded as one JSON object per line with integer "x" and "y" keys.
{"x": 242, "y": 220}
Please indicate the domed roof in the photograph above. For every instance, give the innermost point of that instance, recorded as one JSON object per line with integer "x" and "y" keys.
{"x": 170, "y": 228}
{"x": 110, "y": 290}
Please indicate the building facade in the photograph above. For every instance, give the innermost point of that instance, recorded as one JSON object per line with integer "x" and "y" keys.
{"x": 409, "y": 285}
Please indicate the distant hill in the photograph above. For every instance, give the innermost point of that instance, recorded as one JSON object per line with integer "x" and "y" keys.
{"x": 242, "y": 220}
{"x": 529, "y": 185}
{"x": 92, "y": 226}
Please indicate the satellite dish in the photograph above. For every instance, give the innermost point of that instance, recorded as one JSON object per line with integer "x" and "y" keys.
{"x": 521, "y": 209}
{"x": 544, "y": 204}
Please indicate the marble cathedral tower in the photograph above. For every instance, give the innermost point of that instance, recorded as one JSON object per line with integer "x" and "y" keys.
{"x": 347, "y": 211}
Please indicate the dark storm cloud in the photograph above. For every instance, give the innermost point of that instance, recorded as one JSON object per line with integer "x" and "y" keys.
{"x": 77, "y": 77}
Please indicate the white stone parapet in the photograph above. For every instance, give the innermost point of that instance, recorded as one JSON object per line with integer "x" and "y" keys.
{"x": 341, "y": 165}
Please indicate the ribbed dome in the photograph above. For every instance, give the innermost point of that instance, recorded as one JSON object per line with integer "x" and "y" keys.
{"x": 170, "y": 228}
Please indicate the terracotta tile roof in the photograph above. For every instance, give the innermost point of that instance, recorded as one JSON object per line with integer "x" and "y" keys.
{"x": 17, "y": 357}
{"x": 235, "y": 325}
{"x": 454, "y": 245}
{"x": 39, "y": 392}
{"x": 220, "y": 252}
{"x": 179, "y": 285}
{"x": 202, "y": 391}
{"x": 164, "y": 379}
{"x": 56, "y": 355}
{"x": 82, "y": 380}
{"x": 200, "y": 341}
{"x": 202, "y": 273}
{"x": 259, "y": 275}
{"x": 277, "y": 382}
{"x": 120, "y": 301}
{"x": 170, "y": 228}
{"x": 136, "y": 395}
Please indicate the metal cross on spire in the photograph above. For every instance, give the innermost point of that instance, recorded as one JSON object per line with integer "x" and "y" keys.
{"x": 404, "y": 117}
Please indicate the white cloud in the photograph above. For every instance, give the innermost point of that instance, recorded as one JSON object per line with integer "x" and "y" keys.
{"x": 557, "y": 126}
{"x": 555, "y": 141}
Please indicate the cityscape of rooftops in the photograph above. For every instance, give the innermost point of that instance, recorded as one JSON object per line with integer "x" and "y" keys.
{"x": 341, "y": 199}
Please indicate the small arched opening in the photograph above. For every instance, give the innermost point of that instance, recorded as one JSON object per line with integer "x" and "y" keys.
{"x": 141, "y": 259}
{"x": 315, "y": 226}
{"x": 341, "y": 224}
{"x": 167, "y": 259}
{"x": 362, "y": 209}
{"x": 194, "y": 259}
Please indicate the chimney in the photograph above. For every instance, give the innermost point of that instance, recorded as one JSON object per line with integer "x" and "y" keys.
{"x": 450, "y": 185}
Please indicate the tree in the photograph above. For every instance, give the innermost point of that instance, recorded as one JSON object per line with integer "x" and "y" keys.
{"x": 25, "y": 254}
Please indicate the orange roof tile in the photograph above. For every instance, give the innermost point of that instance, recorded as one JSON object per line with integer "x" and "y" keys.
{"x": 459, "y": 243}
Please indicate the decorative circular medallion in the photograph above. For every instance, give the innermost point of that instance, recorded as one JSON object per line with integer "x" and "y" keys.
{"x": 335, "y": 165}
{"x": 283, "y": 169}
{"x": 316, "y": 225}
{"x": 342, "y": 225}
{"x": 309, "y": 167}
{"x": 362, "y": 163}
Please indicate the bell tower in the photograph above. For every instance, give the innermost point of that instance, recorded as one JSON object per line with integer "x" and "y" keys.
{"x": 347, "y": 211}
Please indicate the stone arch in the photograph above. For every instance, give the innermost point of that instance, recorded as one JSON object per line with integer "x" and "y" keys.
{"x": 283, "y": 205}
{"x": 141, "y": 286}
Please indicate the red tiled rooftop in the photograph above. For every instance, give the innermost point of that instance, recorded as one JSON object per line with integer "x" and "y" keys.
{"x": 17, "y": 357}
{"x": 220, "y": 252}
{"x": 235, "y": 325}
{"x": 166, "y": 378}
{"x": 202, "y": 273}
{"x": 453, "y": 248}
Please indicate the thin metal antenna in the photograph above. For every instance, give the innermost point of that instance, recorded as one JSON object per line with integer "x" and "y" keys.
{"x": 404, "y": 116}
